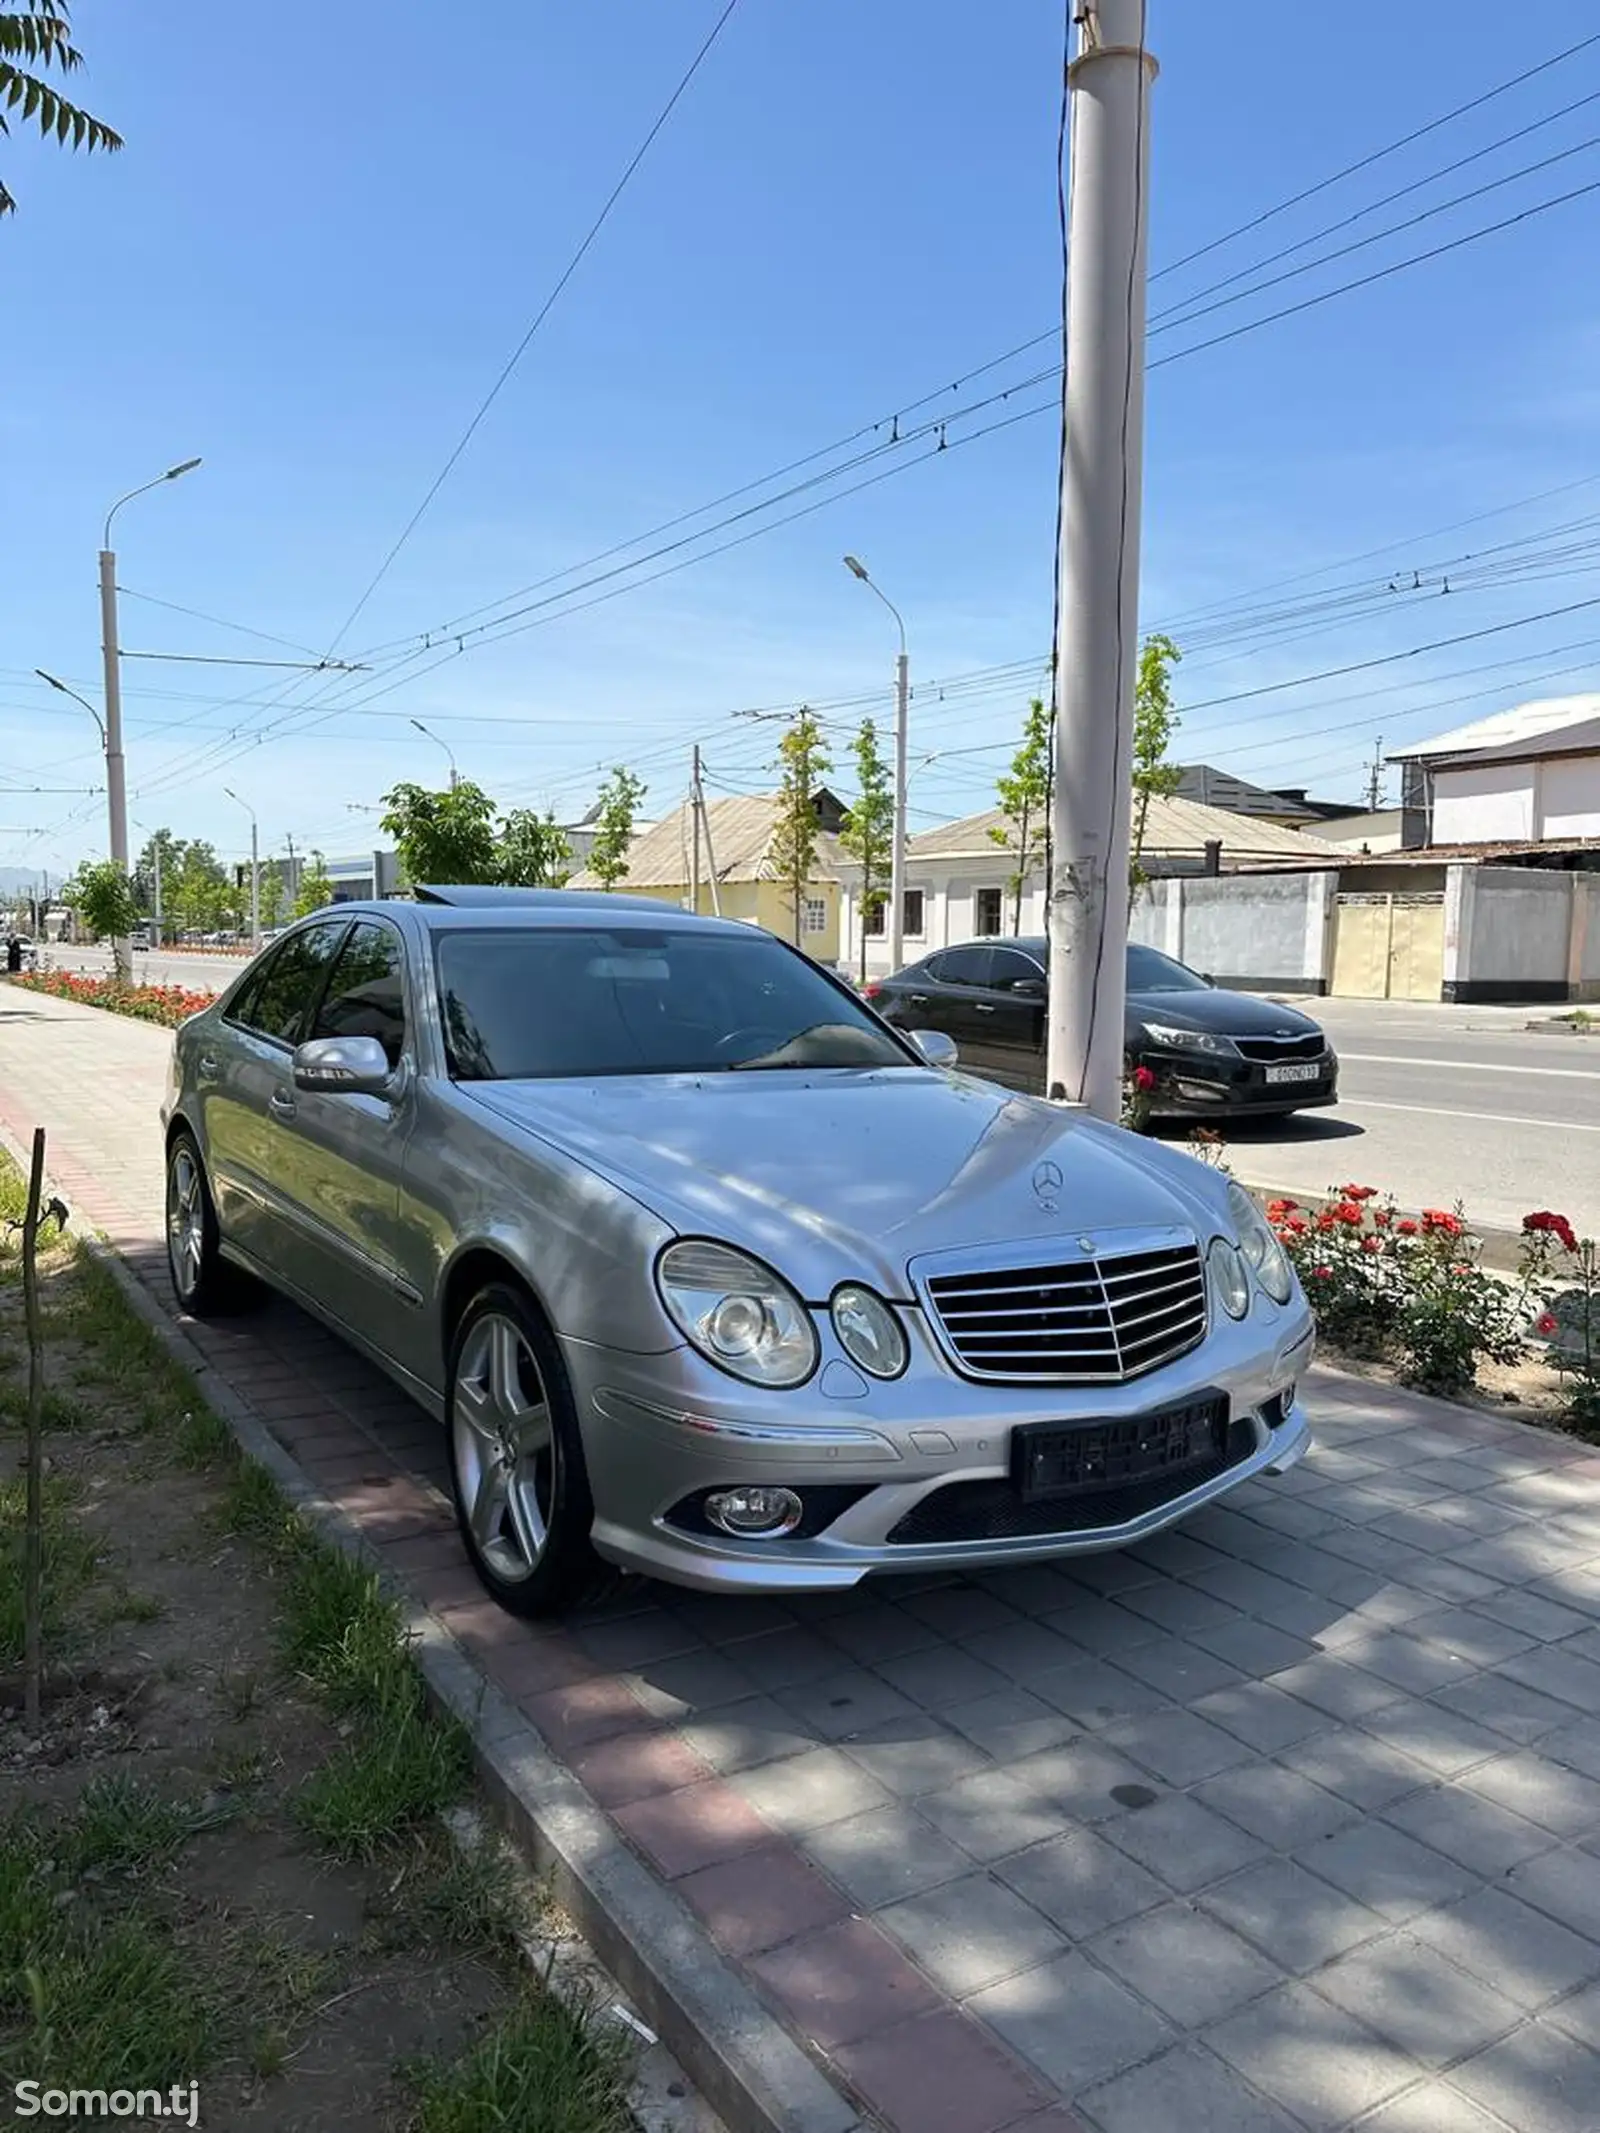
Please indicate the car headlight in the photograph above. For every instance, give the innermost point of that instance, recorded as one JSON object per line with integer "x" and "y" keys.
{"x": 738, "y": 1313}
{"x": 1230, "y": 1278}
{"x": 869, "y": 1332}
{"x": 1189, "y": 1040}
{"x": 1259, "y": 1243}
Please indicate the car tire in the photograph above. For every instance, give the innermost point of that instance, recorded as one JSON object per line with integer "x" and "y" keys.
{"x": 204, "y": 1283}
{"x": 517, "y": 1470}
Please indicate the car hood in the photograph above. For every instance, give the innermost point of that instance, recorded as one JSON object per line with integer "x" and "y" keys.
{"x": 1226, "y": 1014}
{"x": 850, "y": 1175}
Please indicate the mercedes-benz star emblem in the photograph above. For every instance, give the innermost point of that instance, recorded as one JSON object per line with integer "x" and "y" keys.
{"x": 1047, "y": 1184}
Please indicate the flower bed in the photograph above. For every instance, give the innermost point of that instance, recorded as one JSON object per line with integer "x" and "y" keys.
{"x": 1413, "y": 1292}
{"x": 166, "y": 1004}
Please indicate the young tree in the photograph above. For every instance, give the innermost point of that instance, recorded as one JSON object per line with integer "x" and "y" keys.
{"x": 618, "y": 811}
{"x": 443, "y": 836}
{"x": 1024, "y": 796}
{"x": 36, "y": 36}
{"x": 534, "y": 851}
{"x": 803, "y": 762}
{"x": 193, "y": 886}
{"x": 316, "y": 889}
{"x": 1155, "y": 721}
{"x": 868, "y": 830}
{"x": 103, "y": 898}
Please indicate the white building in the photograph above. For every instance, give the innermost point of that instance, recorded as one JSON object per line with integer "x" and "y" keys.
{"x": 1525, "y": 776}
{"x": 958, "y": 878}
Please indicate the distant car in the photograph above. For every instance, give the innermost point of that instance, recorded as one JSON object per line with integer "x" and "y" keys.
{"x": 1213, "y": 1053}
{"x": 706, "y": 1271}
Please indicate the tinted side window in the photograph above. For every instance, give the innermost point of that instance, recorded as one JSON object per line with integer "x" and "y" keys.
{"x": 962, "y": 966}
{"x": 282, "y": 998}
{"x": 366, "y": 994}
{"x": 1008, "y": 967}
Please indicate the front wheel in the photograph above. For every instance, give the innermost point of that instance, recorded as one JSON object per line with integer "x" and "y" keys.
{"x": 516, "y": 1459}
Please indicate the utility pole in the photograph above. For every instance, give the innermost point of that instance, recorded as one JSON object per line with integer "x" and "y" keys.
{"x": 155, "y": 848}
{"x": 704, "y": 814}
{"x": 294, "y": 885}
{"x": 1101, "y": 475}
{"x": 694, "y": 828}
{"x": 1375, "y": 778}
{"x": 902, "y": 716}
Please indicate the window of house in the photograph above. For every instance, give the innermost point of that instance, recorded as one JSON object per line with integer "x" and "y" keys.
{"x": 814, "y": 914}
{"x": 912, "y": 919}
{"x": 873, "y": 922}
{"x": 987, "y": 915}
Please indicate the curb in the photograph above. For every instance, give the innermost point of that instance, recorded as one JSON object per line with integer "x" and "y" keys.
{"x": 742, "y": 2060}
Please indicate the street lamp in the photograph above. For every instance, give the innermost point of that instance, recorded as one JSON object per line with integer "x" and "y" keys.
{"x": 445, "y": 745}
{"x": 897, "y": 836}
{"x": 255, "y": 869}
{"x": 77, "y": 699}
{"x": 116, "y": 769}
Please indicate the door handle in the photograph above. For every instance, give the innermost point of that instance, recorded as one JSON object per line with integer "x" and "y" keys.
{"x": 281, "y": 1104}
{"x": 917, "y": 999}
{"x": 206, "y": 1068}
{"x": 978, "y": 1008}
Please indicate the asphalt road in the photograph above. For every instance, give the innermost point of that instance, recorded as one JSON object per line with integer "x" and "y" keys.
{"x": 1439, "y": 1104}
{"x": 1436, "y": 1104}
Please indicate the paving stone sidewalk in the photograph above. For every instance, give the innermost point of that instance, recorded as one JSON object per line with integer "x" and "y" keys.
{"x": 1288, "y": 1819}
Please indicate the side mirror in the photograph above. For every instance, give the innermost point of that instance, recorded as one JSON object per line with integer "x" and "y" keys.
{"x": 938, "y": 1049}
{"x": 343, "y": 1066}
{"x": 1029, "y": 989}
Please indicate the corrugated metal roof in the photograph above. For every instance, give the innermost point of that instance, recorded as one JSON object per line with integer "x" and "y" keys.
{"x": 741, "y": 838}
{"x": 1173, "y": 828}
{"x": 1505, "y": 732}
{"x": 1210, "y": 787}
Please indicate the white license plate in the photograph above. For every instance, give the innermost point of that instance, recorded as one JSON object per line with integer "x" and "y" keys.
{"x": 1310, "y": 1071}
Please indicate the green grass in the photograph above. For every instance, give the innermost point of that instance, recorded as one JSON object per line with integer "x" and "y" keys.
{"x": 540, "y": 2066}
{"x": 446, "y": 1896}
{"x": 70, "y": 1562}
{"x": 122, "y": 1825}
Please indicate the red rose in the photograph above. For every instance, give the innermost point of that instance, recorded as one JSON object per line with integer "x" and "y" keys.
{"x": 1381, "y": 1217}
{"x": 1278, "y": 1210}
{"x": 1358, "y": 1192}
{"x": 1545, "y": 1323}
{"x": 1407, "y": 1228}
{"x": 1322, "y": 1273}
{"x": 1144, "y": 1080}
{"x": 1372, "y": 1244}
{"x": 1349, "y": 1211}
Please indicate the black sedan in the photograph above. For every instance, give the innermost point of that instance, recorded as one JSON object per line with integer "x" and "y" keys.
{"x": 1213, "y": 1053}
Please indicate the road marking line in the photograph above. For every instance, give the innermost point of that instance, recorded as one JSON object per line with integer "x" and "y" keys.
{"x": 1469, "y": 1066}
{"x": 1487, "y": 1118}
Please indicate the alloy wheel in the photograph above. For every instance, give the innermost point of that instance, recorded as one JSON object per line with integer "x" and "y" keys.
{"x": 502, "y": 1441}
{"x": 186, "y": 1222}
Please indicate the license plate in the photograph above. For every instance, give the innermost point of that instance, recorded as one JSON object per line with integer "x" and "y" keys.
{"x": 1310, "y": 1071}
{"x": 1052, "y": 1459}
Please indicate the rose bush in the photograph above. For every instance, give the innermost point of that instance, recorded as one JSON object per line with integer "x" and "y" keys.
{"x": 1385, "y": 1285}
{"x": 166, "y": 1004}
{"x": 1562, "y": 1271}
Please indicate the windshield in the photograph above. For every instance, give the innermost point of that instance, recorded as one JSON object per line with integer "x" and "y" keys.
{"x": 1150, "y": 971}
{"x": 532, "y": 1003}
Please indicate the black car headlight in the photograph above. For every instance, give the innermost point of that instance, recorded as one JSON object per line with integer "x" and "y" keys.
{"x": 1258, "y": 1241}
{"x": 869, "y": 1332}
{"x": 1190, "y": 1040}
{"x": 737, "y": 1313}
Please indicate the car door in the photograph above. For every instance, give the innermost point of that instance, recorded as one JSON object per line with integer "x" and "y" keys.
{"x": 954, "y": 983}
{"x": 1015, "y": 997}
{"x": 341, "y": 1155}
{"x": 246, "y": 1085}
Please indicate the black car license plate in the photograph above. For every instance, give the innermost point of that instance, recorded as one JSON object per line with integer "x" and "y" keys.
{"x": 1052, "y": 1459}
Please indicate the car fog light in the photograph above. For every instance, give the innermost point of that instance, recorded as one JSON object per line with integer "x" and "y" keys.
{"x": 755, "y": 1514}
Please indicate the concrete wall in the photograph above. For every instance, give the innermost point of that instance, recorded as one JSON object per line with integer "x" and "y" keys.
{"x": 1569, "y": 797}
{"x": 1508, "y": 934}
{"x": 1487, "y": 803}
{"x": 1583, "y": 954}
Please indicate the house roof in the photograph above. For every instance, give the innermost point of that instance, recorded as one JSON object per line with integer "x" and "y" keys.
{"x": 1173, "y": 828}
{"x": 1552, "y": 725}
{"x": 741, "y": 827}
{"x": 1220, "y": 788}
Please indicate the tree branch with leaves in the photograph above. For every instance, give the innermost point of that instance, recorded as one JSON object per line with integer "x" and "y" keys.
{"x": 1155, "y": 721}
{"x": 35, "y": 41}
{"x": 615, "y": 821}
{"x": 803, "y": 761}
{"x": 534, "y": 851}
{"x": 443, "y": 836}
{"x": 1023, "y": 793}
{"x": 867, "y": 834}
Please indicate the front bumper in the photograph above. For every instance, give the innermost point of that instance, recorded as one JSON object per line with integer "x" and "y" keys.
{"x": 658, "y": 1429}
{"x": 1202, "y": 1085}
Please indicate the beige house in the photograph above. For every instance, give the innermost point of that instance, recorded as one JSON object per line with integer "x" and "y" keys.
{"x": 957, "y": 875}
{"x": 741, "y": 832}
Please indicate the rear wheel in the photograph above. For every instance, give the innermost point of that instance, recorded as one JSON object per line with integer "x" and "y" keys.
{"x": 517, "y": 1469}
{"x": 205, "y": 1285}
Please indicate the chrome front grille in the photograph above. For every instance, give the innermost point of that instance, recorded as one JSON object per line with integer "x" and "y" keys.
{"x": 1102, "y": 1318}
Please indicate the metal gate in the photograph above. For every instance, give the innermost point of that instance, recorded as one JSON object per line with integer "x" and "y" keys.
{"x": 1389, "y": 947}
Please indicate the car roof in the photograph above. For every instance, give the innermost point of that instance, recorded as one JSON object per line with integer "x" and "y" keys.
{"x": 478, "y": 904}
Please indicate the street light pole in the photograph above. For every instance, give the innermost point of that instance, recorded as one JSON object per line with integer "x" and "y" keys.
{"x": 255, "y": 869}
{"x": 1101, "y": 473}
{"x": 116, "y": 768}
{"x": 445, "y": 745}
{"x": 897, "y": 834}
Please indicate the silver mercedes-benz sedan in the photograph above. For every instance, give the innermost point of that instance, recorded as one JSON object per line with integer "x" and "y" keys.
{"x": 707, "y": 1272}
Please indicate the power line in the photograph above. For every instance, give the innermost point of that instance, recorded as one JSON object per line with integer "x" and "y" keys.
{"x": 543, "y": 313}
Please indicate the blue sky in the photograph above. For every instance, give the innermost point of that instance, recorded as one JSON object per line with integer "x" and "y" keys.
{"x": 312, "y": 260}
